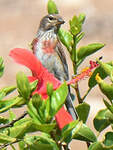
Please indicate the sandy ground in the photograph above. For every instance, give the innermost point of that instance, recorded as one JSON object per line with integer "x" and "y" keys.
{"x": 19, "y": 21}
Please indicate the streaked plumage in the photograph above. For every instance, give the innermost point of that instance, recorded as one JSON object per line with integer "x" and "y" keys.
{"x": 48, "y": 49}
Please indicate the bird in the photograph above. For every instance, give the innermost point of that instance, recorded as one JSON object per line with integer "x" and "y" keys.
{"x": 47, "y": 47}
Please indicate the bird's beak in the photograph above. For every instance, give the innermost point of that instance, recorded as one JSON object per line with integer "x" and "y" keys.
{"x": 61, "y": 21}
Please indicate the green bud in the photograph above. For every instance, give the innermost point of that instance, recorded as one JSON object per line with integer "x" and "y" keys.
{"x": 23, "y": 85}
{"x": 49, "y": 89}
{"x": 51, "y": 7}
{"x": 81, "y": 18}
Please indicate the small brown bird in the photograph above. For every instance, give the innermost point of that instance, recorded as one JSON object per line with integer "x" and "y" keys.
{"x": 48, "y": 49}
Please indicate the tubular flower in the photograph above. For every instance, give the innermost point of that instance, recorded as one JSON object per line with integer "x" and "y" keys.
{"x": 28, "y": 59}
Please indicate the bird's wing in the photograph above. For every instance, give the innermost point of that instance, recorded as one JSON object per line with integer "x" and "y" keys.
{"x": 60, "y": 52}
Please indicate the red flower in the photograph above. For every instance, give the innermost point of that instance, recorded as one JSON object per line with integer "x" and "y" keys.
{"x": 26, "y": 58}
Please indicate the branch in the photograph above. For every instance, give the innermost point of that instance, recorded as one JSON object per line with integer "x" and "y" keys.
{"x": 5, "y": 145}
{"x": 12, "y": 122}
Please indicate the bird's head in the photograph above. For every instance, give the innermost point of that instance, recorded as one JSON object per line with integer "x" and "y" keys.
{"x": 51, "y": 22}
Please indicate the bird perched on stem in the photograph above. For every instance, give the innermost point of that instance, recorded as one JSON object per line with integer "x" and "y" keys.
{"x": 48, "y": 49}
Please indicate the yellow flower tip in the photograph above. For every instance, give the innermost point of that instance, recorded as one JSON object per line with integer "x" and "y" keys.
{"x": 85, "y": 69}
{"x": 90, "y": 74}
{"x": 98, "y": 78}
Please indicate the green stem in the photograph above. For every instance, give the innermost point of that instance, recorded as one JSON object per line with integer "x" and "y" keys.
{"x": 86, "y": 94}
{"x": 78, "y": 94}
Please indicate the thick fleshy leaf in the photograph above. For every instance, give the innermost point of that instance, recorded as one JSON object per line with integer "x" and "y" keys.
{"x": 106, "y": 89}
{"x": 5, "y": 91}
{"x": 12, "y": 116}
{"x": 49, "y": 89}
{"x": 23, "y": 85}
{"x": 110, "y": 107}
{"x": 40, "y": 106}
{"x": 7, "y": 104}
{"x": 85, "y": 51}
{"x": 83, "y": 111}
{"x": 52, "y": 8}
{"x": 40, "y": 142}
{"x": 106, "y": 67}
{"x": 75, "y": 25}
{"x": 79, "y": 37}
{"x": 34, "y": 125}
{"x": 66, "y": 38}
{"x": 101, "y": 120}
{"x": 92, "y": 82}
{"x": 66, "y": 134}
{"x": 81, "y": 18}
{"x": 109, "y": 139}
{"x": 6, "y": 139}
{"x": 58, "y": 99}
{"x": 84, "y": 133}
{"x": 33, "y": 112}
{"x": 1, "y": 67}
{"x": 96, "y": 146}
{"x": 33, "y": 85}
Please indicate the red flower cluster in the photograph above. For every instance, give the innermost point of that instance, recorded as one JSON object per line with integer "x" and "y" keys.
{"x": 28, "y": 59}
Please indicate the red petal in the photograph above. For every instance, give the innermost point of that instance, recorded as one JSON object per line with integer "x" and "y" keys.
{"x": 63, "y": 118}
{"x": 27, "y": 58}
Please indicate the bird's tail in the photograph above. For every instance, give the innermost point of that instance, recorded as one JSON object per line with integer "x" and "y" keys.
{"x": 70, "y": 106}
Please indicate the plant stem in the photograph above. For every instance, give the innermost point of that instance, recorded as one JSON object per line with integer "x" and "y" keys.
{"x": 12, "y": 122}
{"x": 78, "y": 94}
{"x": 86, "y": 94}
{"x": 5, "y": 145}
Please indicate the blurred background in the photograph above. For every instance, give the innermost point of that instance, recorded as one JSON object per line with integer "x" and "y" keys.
{"x": 19, "y": 21}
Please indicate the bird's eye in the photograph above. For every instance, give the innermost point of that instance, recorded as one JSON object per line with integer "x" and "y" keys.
{"x": 51, "y": 18}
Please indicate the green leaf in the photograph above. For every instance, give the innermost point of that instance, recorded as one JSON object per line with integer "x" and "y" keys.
{"x": 66, "y": 38}
{"x": 83, "y": 111}
{"x": 40, "y": 142}
{"x": 6, "y": 139}
{"x": 49, "y": 89}
{"x": 81, "y": 18}
{"x": 32, "y": 111}
{"x": 58, "y": 99}
{"x": 110, "y": 107}
{"x": 51, "y": 7}
{"x": 22, "y": 145}
{"x": 33, "y": 85}
{"x": 96, "y": 146}
{"x": 75, "y": 25}
{"x": 7, "y": 104}
{"x": 106, "y": 89}
{"x": 101, "y": 120}
{"x": 1, "y": 67}
{"x": 106, "y": 67}
{"x": 85, "y": 51}
{"x": 84, "y": 133}
{"x": 79, "y": 37}
{"x": 92, "y": 82}
{"x": 12, "y": 116}
{"x": 23, "y": 85}
{"x": 5, "y": 91}
{"x": 18, "y": 131}
{"x": 40, "y": 106}
{"x": 66, "y": 134}
{"x": 108, "y": 139}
